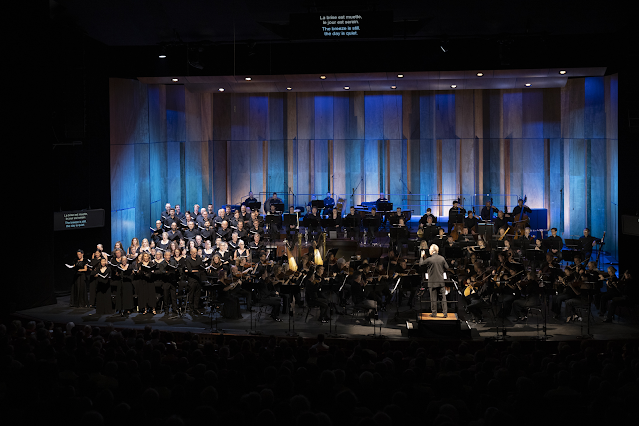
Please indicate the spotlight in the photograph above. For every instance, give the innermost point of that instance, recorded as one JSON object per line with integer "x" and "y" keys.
{"x": 528, "y": 84}
{"x": 174, "y": 80}
{"x": 247, "y": 78}
{"x": 562, "y": 72}
{"x": 480, "y": 74}
{"x": 393, "y": 87}
{"x": 221, "y": 89}
{"x": 454, "y": 86}
{"x": 346, "y": 87}
{"x": 289, "y": 88}
{"x": 400, "y": 75}
{"x": 323, "y": 77}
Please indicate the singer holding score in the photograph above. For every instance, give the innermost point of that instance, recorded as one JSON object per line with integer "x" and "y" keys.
{"x": 435, "y": 266}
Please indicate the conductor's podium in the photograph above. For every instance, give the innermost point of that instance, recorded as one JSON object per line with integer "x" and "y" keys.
{"x": 435, "y": 327}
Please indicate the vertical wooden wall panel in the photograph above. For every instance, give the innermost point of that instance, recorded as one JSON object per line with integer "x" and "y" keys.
{"x": 203, "y": 146}
{"x": 393, "y": 133}
{"x": 193, "y": 148}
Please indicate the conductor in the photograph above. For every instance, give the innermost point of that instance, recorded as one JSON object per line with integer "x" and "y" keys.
{"x": 436, "y": 265}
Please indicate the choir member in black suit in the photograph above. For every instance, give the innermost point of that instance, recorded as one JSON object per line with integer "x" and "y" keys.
{"x": 193, "y": 270}
{"x": 79, "y": 286}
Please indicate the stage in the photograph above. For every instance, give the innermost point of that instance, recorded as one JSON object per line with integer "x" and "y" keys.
{"x": 390, "y": 325}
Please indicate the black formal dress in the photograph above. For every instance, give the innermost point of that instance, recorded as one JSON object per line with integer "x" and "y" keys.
{"x": 103, "y": 304}
{"x": 79, "y": 286}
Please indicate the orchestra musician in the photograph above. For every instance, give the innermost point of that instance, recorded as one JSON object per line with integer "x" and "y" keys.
{"x": 517, "y": 211}
{"x": 455, "y": 211}
{"x": 487, "y": 211}
{"x": 312, "y": 221}
{"x": 500, "y": 222}
{"x": 470, "y": 222}
{"x": 292, "y": 228}
{"x": 249, "y": 199}
{"x": 428, "y": 230}
{"x": 530, "y": 287}
{"x": 629, "y": 295}
{"x": 274, "y": 200}
{"x": 587, "y": 242}
{"x": 424, "y": 219}
{"x": 554, "y": 244}
{"x": 374, "y": 225}
{"x": 268, "y": 295}
{"x": 353, "y": 217}
{"x": 329, "y": 205}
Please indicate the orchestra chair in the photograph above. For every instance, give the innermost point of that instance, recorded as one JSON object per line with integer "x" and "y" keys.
{"x": 308, "y": 306}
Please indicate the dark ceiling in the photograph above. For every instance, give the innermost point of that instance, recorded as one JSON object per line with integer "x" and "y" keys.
{"x": 249, "y": 36}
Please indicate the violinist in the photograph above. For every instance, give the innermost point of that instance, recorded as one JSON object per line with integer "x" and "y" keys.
{"x": 359, "y": 297}
{"x": 530, "y": 287}
{"x": 474, "y": 302}
{"x": 79, "y": 286}
{"x": 612, "y": 289}
{"x": 314, "y": 296}
{"x": 263, "y": 264}
{"x": 566, "y": 294}
{"x": 268, "y": 295}
{"x": 629, "y": 295}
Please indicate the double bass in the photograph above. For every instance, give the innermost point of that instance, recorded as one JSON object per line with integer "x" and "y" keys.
{"x": 522, "y": 221}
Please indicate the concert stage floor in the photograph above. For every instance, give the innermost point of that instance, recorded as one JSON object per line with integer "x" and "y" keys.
{"x": 390, "y": 325}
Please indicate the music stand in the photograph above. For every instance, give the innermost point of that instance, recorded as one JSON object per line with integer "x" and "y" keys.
{"x": 291, "y": 290}
{"x": 254, "y": 205}
{"x": 319, "y": 204}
